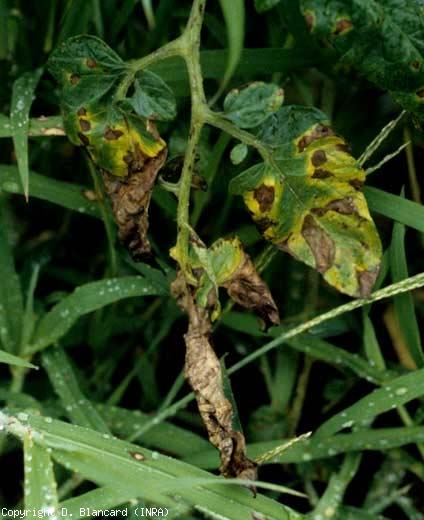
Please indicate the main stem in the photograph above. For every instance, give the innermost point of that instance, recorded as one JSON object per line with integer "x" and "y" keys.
{"x": 190, "y": 42}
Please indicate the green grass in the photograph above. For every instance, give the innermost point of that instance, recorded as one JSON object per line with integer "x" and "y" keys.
{"x": 95, "y": 411}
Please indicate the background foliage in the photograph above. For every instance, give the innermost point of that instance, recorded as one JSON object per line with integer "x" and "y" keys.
{"x": 106, "y": 334}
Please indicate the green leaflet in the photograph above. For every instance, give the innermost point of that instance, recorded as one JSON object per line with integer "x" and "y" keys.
{"x": 251, "y": 105}
{"x": 308, "y": 201}
{"x": 383, "y": 39}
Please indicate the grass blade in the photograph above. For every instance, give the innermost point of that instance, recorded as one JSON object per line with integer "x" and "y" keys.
{"x": 332, "y": 498}
{"x": 10, "y": 359}
{"x": 22, "y": 97}
{"x": 396, "y": 393}
{"x": 114, "y": 463}
{"x": 404, "y": 305}
{"x": 87, "y": 298}
{"x": 234, "y": 16}
{"x": 65, "y": 194}
{"x": 394, "y": 207}
{"x": 64, "y": 382}
{"x": 11, "y": 304}
{"x": 162, "y": 436}
{"x": 40, "y": 483}
{"x": 307, "y": 449}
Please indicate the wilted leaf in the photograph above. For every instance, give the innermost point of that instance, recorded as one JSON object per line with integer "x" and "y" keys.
{"x": 383, "y": 39}
{"x": 226, "y": 264}
{"x": 204, "y": 374}
{"x": 124, "y": 146}
{"x": 250, "y": 106}
{"x": 308, "y": 200}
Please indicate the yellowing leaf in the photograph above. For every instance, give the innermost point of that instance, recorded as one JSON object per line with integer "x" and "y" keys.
{"x": 308, "y": 201}
{"x": 125, "y": 146}
{"x": 226, "y": 264}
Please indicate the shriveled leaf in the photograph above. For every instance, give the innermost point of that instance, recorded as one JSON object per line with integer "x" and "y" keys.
{"x": 308, "y": 200}
{"x": 152, "y": 97}
{"x": 250, "y": 106}
{"x": 235, "y": 271}
{"x": 383, "y": 39}
{"x": 226, "y": 264}
{"x": 121, "y": 143}
{"x": 22, "y": 97}
{"x": 204, "y": 374}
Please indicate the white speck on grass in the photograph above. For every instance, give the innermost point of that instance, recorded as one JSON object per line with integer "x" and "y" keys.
{"x": 401, "y": 391}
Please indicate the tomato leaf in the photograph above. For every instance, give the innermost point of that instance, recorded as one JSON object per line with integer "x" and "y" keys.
{"x": 125, "y": 146}
{"x": 250, "y": 106}
{"x": 226, "y": 264}
{"x": 152, "y": 97}
{"x": 383, "y": 39}
{"x": 308, "y": 201}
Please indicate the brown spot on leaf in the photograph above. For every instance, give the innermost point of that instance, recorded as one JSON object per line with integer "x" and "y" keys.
{"x": 415, "y": 65}
{"x": 85, "y": 125}
{"x": 321, "y": 245}
{"x": 137, "y": 455}
{"x": 344, "y": 206}
{"x": 91, "y": 64}
{"x": 342, "y": 147}
{"x": 91, "y": 195}
{"x": 264, "y": 196}
{"x": 135, "y": 159}
{"x": 319, "y": 173}
{"x": 366, "y": 280}
{"x": 81, "y": 112}
{"x": 112, "y": 135}
{"x": 318, "y": 158}
{"x": 356, "y": 184}
{"x": 74, "y": 78}
{"x": 342, "y": 26}
{"x": 420, "y": 93}
{"x": 318, "y": 132}
{"x": 310, "y": 20}
{"x": 84, "y": 139}
{"x": 263, "y": 224}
